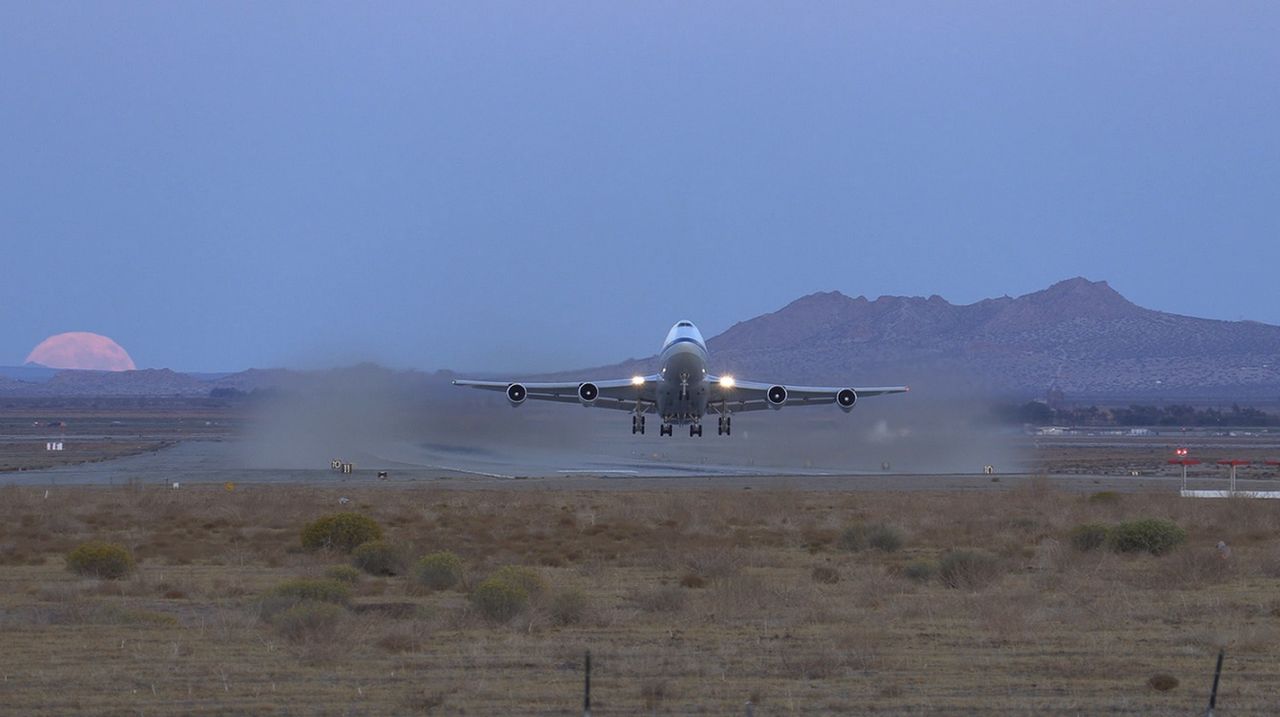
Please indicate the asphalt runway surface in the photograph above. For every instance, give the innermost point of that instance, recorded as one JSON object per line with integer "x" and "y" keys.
{"x": 221, "y": 461}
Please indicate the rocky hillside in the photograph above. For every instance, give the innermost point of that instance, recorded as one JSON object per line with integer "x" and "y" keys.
{"x": 1079, "y": 336}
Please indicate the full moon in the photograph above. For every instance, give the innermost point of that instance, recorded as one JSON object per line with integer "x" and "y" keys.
{"x": 82, "y": 350}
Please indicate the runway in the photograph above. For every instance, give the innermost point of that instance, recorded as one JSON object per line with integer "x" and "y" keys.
{"x": 223, "y": 461}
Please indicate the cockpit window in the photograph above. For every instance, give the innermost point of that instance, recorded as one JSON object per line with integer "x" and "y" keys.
{"x": 685, "y": 323}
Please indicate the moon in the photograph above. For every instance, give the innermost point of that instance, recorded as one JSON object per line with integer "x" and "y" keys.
{"x": 81, "y": 350}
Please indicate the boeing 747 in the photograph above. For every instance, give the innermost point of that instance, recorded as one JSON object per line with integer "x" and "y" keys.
{"x": 682, "y": 391}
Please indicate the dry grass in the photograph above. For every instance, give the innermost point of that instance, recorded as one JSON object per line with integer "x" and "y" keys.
{"x": 690, "y": 602}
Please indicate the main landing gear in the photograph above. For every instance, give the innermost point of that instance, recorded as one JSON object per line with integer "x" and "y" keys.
{"x": 637, "y": 424}
{"x": 695, "y": 429}
{"x": 725, "y": 426}
{"x": 664, "y": 429}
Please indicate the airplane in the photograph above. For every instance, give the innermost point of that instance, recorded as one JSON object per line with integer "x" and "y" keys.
{"x": 682, "y": 391}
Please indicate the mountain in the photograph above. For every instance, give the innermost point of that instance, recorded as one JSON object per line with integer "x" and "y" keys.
{"x": 1078, "y": 336}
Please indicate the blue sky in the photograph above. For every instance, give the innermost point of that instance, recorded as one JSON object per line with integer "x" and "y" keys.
{"x": 546, "y": 185}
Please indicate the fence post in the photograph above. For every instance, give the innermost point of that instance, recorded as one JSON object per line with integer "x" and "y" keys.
{"x": 1217, "y": 673}
{"x": 586, "y": 688}
{"x": 751, "y": 709}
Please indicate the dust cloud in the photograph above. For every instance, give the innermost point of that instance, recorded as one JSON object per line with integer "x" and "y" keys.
{"x": 369, "y": 413}
{"x": 377, "y": 417}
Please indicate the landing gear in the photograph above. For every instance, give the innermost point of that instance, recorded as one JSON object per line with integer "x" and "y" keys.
{"x": 637, "y": 424}
{"x": 725, "y": 426}
{"x": 664, "y": 429}
{"x": 695, "y": 429}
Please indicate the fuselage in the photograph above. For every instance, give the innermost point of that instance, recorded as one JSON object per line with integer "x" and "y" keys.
{"x": 682, "y": 396}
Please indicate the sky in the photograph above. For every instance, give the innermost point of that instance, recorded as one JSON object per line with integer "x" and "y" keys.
{"x": 529, "y": 186}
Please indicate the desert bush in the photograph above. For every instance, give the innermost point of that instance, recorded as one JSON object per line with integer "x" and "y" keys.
{"x": 664, "y": 599}
{"x": 567, "y": 607}
{"x": 920, "y": 570}
{"x": 340, "y": 531}
{"x": 652, "y": 693}
{"x": 714, "y": 564}
{"x": 438, "y": 571}
{"x": 1162, "y": 682}
{"x": 691, "y": 580}
{"x": 379, "y": 557}
{"x": 343, "y": 574}
{"x": 527, "y": 579}
{"x": 885, "y": 537}
{"x": 507, "y": 592}
{"x": 300, "y": 590}
{"x": 1149, "y": 535}
{"x": 853, "y": 538}
{"x": 101, "y": 560}
{"x": 825, "y": 574}
{"x": 308, "y": 619}
{"x": 1192, "y": 568}
{"x": 1089, "y": 536}
{"x": 968, "y": 569}
{"x": 498, "y": 600}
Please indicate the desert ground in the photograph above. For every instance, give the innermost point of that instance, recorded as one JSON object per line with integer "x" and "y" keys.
{"x": 799, "y": 592}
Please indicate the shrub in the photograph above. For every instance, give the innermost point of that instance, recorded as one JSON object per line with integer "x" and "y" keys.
{"x": 307, "y": 619}
{"x": 340, "y": 531}
{"x": 567, "y": 607}
{"x": 885, "y": 537}
{"x": 825, "y": 574}
{"x": 1162, "y": 682}
{"x": 438, "y": 571}
{"x": 343, "y": 574}
{"x": 690, "y": 580}
{"x": 968, "y": 569}
{"x": 853, "y": 538}
{"x": 101, "y": 560}
{"x": 527, "y": 579}
{"x": 920, "y": 570}
{"x": 498, "y": 600}
{"x": 664, "y": 599}
{"x": 378, "y": 557}
{"x": 711, "y": 564}
{"x": 1089, "y": 536}
{"x": 299, "y": 590}
{"x": 1151, "y": 535}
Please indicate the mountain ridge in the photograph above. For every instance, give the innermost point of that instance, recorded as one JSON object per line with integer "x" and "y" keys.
{"x": 1076, "y": 336}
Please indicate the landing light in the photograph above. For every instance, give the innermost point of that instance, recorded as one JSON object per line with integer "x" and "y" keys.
{"x": 726, "y": 382}
{"x": 637, "y": 380}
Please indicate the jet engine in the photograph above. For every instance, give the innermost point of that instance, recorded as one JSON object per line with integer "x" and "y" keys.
{"x": 845, "y": 399}
{"x": 776, "y": 396}
{"x": 516, "y": 394}
{"x": 588, "y": 393}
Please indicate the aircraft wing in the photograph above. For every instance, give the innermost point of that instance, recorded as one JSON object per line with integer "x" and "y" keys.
{"x": 621, "y": 393}
{"x": 738, "y": 396}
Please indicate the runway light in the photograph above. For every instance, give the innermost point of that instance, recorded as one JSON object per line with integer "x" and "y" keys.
{"x": 637, "y": 380}
{"x": 726, "y": 382}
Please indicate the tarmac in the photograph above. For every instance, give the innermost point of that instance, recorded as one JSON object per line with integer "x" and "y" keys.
{"x": 223, "y": 461}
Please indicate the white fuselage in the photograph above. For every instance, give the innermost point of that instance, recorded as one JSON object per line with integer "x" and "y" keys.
{"x": 682, "y": 395}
